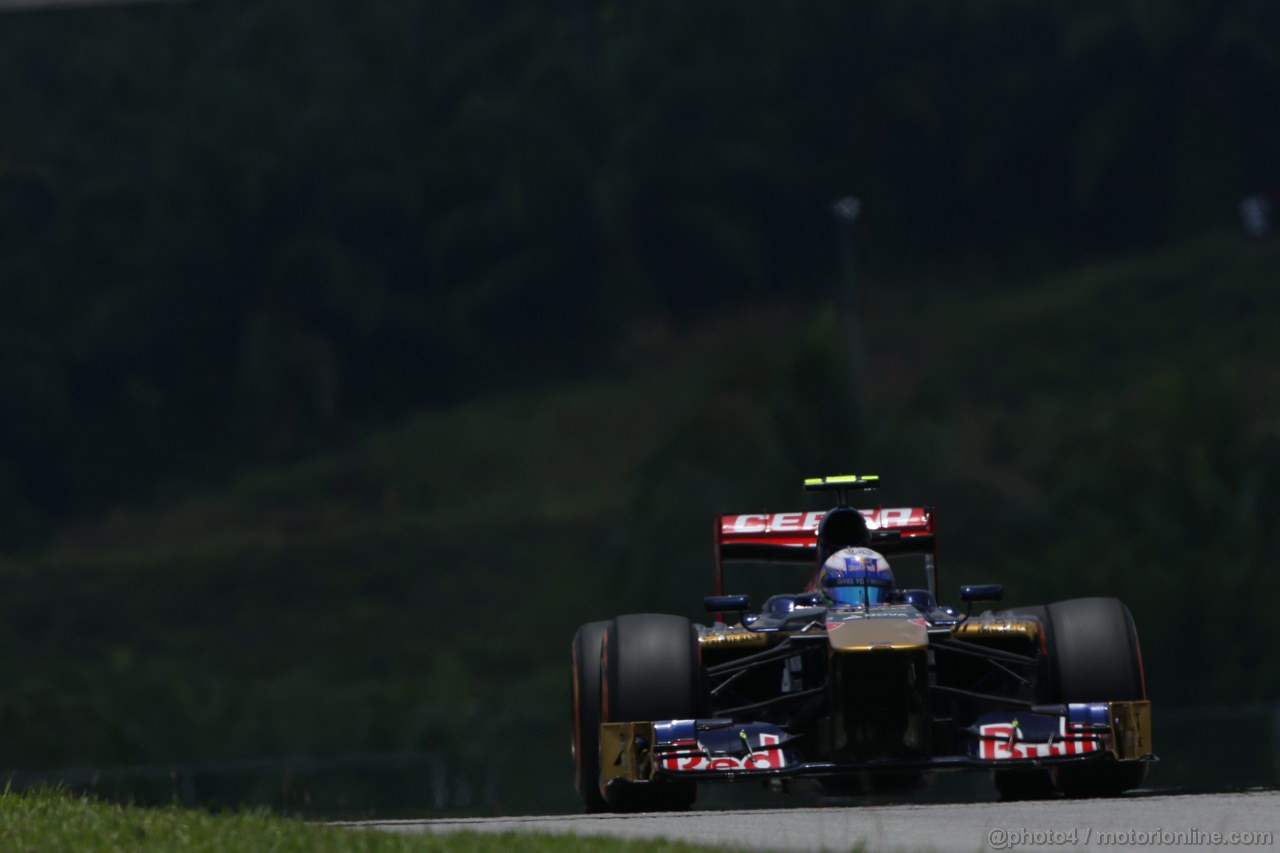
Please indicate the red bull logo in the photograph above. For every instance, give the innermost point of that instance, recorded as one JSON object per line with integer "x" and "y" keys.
{"x": 1001, "y": 742}
{"x": 767, "y": 757}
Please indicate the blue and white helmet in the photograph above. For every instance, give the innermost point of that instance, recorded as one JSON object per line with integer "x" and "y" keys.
{"x": 855, "y": 576}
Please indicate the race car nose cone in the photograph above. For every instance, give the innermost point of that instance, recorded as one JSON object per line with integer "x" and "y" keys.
{"x": 862, "y": 635}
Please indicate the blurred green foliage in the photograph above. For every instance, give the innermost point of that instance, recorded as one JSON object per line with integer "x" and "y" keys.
{"x": 240, "y": 232}
{"x": 415, "y": 593}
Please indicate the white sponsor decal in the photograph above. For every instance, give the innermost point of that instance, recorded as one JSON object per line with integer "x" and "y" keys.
{"x": 761, "y": 759}
{"x": 751, "y": 524}
{"x": 787, "y": 521}
{"x": 891, "y": 518}
{"x": 1001, "y": 743}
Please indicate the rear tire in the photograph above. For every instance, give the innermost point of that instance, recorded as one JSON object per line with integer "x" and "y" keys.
{"x": 1095, "y": 657}
{"x": 650, "y": 672}
{"x": 584, "y": 675}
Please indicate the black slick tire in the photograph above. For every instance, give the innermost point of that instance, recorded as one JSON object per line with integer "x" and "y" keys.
{"x": 584, "y": 674}
{"x": 1096, "y": 658}
{"x": 650, "y": 672}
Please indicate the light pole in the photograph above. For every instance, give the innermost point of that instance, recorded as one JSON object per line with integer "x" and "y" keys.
{"x": 846, "y": 211}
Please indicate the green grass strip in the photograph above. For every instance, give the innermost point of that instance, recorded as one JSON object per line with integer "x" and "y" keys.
{"x": 52, "y": 820}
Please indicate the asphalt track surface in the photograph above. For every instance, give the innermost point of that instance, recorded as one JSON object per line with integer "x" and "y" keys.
{"x": 1150, "y": 820}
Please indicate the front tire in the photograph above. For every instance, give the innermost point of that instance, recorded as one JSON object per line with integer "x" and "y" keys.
{"x": 1096, "y": 658}
{"x": 584, "y": 673}
{"x": 651, "y": 672}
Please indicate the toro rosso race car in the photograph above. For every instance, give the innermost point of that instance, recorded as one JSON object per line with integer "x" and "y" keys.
{"x": 861, "y": 683}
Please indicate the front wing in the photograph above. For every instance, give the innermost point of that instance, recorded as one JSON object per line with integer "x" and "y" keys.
{"x": 720, "y": 750}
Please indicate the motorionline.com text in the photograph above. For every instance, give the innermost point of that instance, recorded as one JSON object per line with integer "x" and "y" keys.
{"x": 1004, "y": 838}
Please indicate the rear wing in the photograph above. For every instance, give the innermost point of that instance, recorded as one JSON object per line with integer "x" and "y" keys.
{"x": 792, "y": 537}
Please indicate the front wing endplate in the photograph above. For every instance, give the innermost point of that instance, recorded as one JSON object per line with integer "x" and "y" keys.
{"x": 626, "y": 752}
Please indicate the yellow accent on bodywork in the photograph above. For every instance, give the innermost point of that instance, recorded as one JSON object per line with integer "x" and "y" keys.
{"x": 735, "y": 636}
{"x": 626, "y": 752}
{"x": 841, "y": 478}
{"x": 1000, "y": 627}
{"x": 1131, "y": 729}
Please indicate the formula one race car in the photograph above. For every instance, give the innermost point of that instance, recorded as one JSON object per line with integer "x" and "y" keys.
{"x": 856, "y": 684}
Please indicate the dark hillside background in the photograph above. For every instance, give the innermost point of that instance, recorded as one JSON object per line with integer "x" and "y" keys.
{"x": 352, "y": 354}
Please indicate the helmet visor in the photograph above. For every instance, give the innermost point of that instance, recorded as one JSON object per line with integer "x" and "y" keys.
{"x": 855, "y": 592}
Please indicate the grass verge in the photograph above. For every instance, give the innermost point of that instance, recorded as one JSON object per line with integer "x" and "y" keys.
{"x": 56, "y": 820}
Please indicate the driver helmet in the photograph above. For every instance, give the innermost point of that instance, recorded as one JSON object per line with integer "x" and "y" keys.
{"x": 855, "y": 576}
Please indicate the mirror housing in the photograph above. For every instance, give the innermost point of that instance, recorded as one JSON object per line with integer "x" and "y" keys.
{"x": 982, "y": 592}
{"x": 727, "y": 603}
